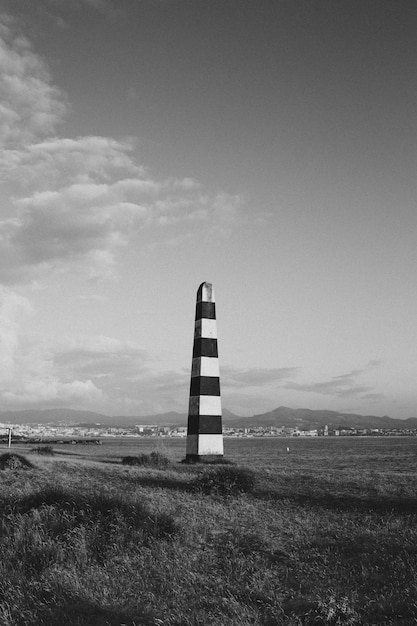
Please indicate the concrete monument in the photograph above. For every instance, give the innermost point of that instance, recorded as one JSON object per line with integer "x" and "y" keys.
{"x": 204, "y": 432}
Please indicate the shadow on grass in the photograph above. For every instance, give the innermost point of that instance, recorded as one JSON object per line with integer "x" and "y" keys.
{"x": 161, "y": 482}
{"x": 400, "y": 506}
{"x": 70, "y": 610}
{"x": 117, "y": 460}
{"x": 79, "y": 455}
{"x": 82, "y": 508}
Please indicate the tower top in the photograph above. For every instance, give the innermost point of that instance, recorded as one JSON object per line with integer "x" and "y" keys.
{"x": 205, "y": 293}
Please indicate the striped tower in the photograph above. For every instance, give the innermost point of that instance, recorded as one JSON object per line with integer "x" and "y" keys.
{"x": 204, "y": 432}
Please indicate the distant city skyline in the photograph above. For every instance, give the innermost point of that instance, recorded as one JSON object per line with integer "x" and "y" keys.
{"x": 268, "y": 148}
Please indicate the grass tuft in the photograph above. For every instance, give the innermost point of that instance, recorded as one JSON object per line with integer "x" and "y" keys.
{"x": 155, "y": 460}
{"x": 226, "y": 480}
{"x": 43, "y": 450}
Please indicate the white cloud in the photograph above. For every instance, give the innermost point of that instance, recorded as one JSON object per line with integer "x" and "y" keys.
{"x": 257, "y": 377}
{"x": 51, "y": 392}
{"x": 79, "y": 371}
{"x": 27, "y": 373}
{"x": 59, "y": 161}
{"x": 70, "y": 203}
{"x": 343, "y": 386}
{"x": 12, "y": 308}
{"x": 30, "y": 105}
{"x": 86, "y": 197}
{"x": 89, "y": 372}
{"x": 77, "y": 201}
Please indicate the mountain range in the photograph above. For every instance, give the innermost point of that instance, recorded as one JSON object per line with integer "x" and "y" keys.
{"x": 304, "y": 419}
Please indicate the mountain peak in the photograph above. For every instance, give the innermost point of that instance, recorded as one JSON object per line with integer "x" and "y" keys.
{"x": 281, "y": 416}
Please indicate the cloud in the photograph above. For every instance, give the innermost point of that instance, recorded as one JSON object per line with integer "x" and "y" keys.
{"x": 53, "y": 393}
{"x": 373, "y": 396}
{"x": 30, "y": 105}
{"x": 343, "y": 386}
{"x": 85, "y": 198}
{"x": 252, "y": 390}
{"x": 256, "y": 377}
{"x": 56, "y": 162}
{"x": 82, "y": 221}
{"x": 125, "y": 375}
{"x": 119, "y": 377}
{"x": 99, "y": 357}
{"x": 27, "y": 372}
{"x": 349, "y": 375}
{"x": 96, "y": 372}
{"x": 12, "y": 308}
{"x": 76, "y": 202}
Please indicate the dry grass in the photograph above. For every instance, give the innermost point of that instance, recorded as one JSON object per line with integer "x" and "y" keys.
{"x": 93, "y": 543}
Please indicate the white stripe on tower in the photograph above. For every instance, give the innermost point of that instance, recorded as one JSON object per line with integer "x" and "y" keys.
{"x": 204, "y": 433}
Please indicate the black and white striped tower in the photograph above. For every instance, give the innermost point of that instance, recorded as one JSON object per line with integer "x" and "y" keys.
{"x": 204, "y": 432}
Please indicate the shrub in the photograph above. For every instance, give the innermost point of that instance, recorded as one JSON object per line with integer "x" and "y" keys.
{"x": 14, "y": 461}
{"x": 130, "y": 460}
{"x": 45, "y": 450}
{"x": 154, "y": 459}
{"x": 226, "y": 480}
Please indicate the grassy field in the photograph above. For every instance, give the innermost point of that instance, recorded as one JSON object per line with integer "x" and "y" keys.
{"x": 323, "y": 534}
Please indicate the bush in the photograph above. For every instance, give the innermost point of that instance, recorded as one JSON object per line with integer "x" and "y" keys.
{"x": 226, "y": 480}
{"x": 45, "y": 450}
{"x": 14, "y": 461}
{"x": 154, "y": 459}
{"x": 130, "y": 460}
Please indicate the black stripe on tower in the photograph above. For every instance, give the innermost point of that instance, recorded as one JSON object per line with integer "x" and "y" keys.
{"x": 204, "y": 425}
{"x": 204, "y": 347}
{"x": 205, "y": 386}
{"x": 206, "y": 310}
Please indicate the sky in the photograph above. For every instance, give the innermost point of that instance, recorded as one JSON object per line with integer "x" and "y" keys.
{"x": 265, "y": 146}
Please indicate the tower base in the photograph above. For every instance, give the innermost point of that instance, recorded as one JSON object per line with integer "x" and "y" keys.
{"x": 204, "y": 445}
{"x": 203, "y": 458}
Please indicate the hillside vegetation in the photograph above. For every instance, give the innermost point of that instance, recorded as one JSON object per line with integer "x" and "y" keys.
{"x": 300, "y": 539}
